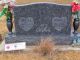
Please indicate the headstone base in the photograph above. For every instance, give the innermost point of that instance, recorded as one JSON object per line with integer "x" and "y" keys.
{"x": 34, "y": 40}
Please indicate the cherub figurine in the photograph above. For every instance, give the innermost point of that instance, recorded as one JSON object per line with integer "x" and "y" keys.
{"x": 8, "y": 12}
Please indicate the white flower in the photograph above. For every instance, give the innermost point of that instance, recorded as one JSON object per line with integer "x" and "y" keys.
{"x": 10, "y": 2}
{"x": 0, "y": 2}
{"x": 75, "y": 1}
{"x": 7, "y": 1}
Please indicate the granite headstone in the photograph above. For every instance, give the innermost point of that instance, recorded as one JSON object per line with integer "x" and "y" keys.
{"x": 38, "y": 20}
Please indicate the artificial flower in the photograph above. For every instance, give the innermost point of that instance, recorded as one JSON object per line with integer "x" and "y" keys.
{"x": 75, "y": 7}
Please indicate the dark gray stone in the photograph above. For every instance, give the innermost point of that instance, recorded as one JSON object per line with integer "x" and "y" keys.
{"x": 42, "y": 20}
{"x": 34, "y": 40}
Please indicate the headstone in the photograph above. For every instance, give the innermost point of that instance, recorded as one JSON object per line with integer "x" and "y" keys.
{"x": 34, "y": 21}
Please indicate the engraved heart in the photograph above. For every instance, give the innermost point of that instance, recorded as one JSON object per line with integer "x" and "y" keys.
{"x": 26, "y": 23}
{"x": 59, "y": 23}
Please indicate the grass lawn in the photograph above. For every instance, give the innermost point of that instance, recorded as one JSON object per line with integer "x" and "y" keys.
{"x": 66, "y": 55}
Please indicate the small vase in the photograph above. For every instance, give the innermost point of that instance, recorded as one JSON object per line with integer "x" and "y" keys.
{"x": 76, "y": 25}
{"x": 9, "y": 25}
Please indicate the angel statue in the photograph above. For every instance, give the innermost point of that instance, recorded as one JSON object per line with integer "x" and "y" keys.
{"x": 8, "y": 12}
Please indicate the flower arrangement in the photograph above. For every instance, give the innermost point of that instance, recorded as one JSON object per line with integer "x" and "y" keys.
{"x": 75, "y": 8}
{"x": 8, "y": 5}
{"x": 8, "y": 12}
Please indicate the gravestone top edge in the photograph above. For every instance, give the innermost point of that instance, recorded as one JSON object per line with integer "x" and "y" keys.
{"x": 42, "y": 3}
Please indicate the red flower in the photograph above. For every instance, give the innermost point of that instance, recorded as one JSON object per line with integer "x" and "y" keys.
{"x": 75, "y": 7}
